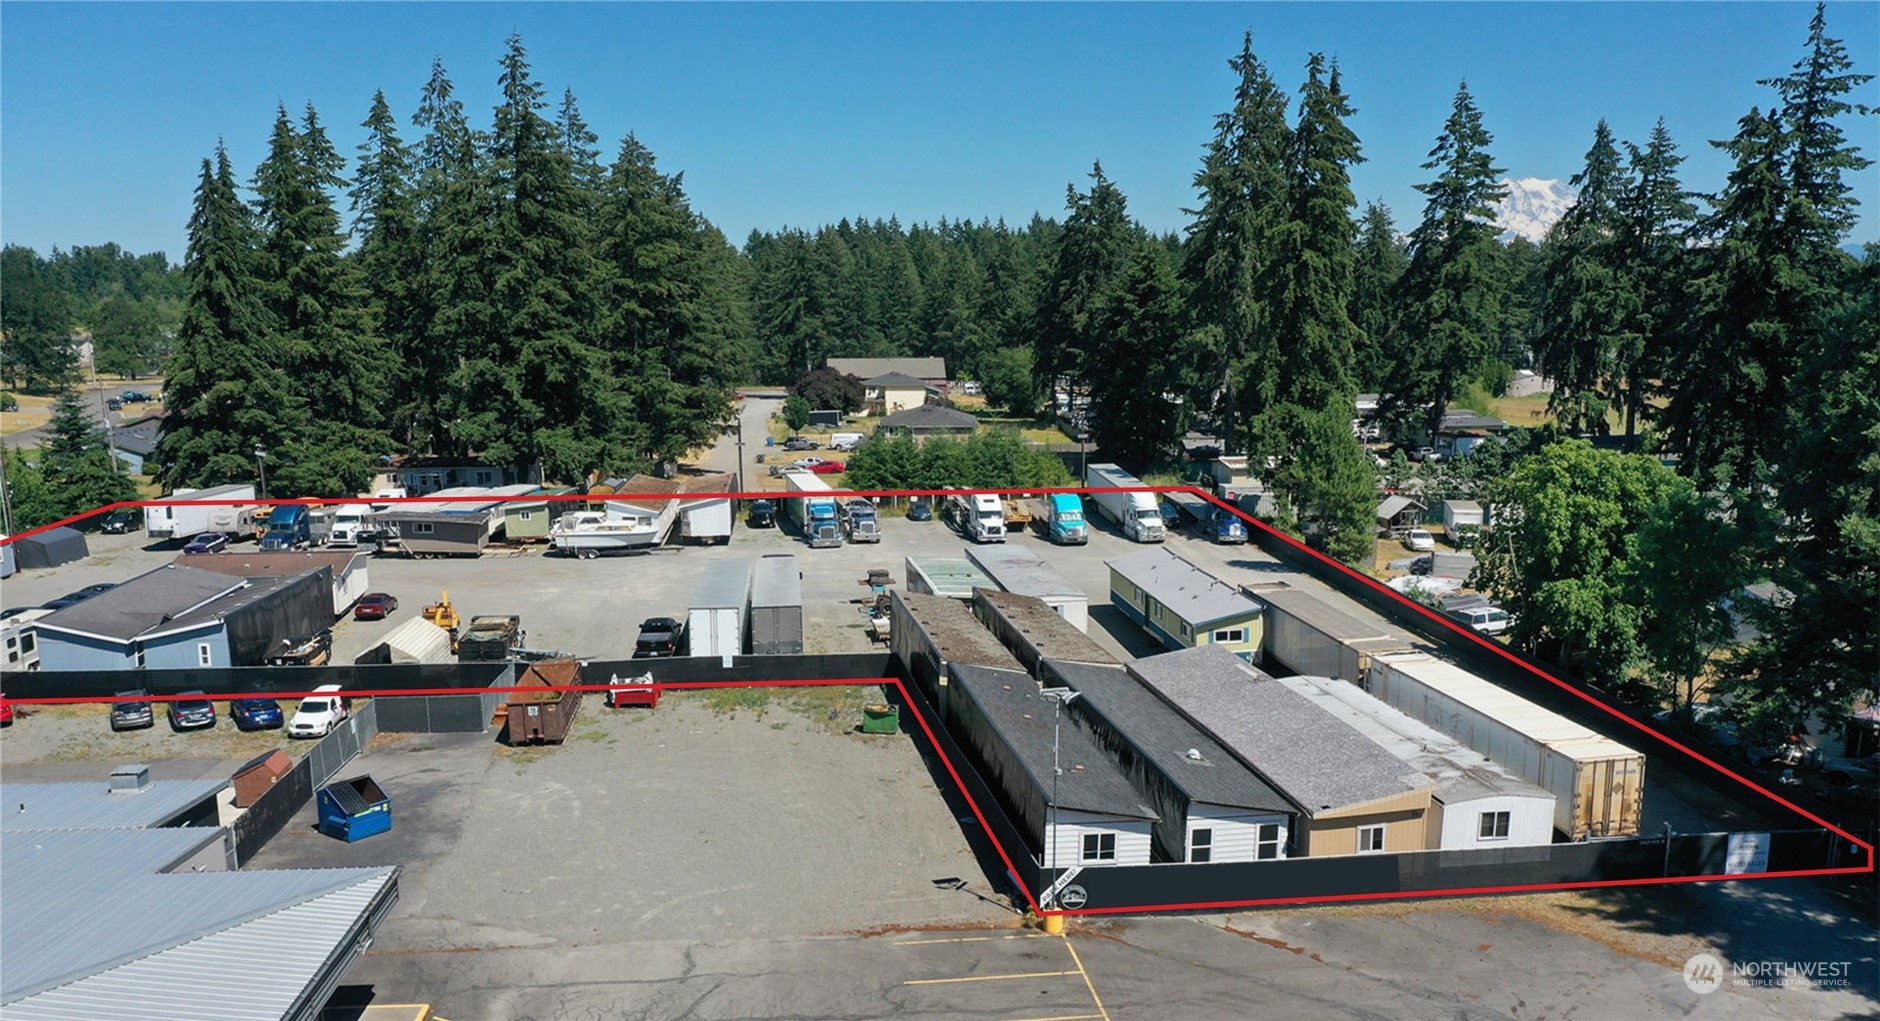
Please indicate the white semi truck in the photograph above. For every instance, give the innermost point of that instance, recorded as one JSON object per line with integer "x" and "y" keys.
{"x": 1135, "y": 513}
{"x": 979, "y": 516}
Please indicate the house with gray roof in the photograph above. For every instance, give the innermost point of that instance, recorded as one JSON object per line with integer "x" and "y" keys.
{"x": 1087, "y": 815}
{"x": 1182, "y": 605}
{"x": 929, "y": 371}
{"x": 895, "y": 391}
{"x": 927, "y": 420}
{"x": 1211, "y": 807}
{"x": 1353, "y": 796}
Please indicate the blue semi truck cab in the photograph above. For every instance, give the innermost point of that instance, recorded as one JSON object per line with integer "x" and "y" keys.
{"x": 1066, "y": 520}
{"x": 289, "y": 527}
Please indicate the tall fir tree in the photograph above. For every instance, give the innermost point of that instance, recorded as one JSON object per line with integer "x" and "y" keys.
{"x": 1448, "y": 300}
{"x": 76, "y": 463}
{"x": 1588, "y": 297}
{"x": 1091, "y": 254}
{"x": 1137, "y": 375}
{"x": 385, "y": 225}
{"x": 1655, "y": 215}
{"x": 1377, "y": 263}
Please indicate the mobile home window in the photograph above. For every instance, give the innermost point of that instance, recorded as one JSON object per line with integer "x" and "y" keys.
{"x": 1495, "y": 825}
{"x": 138, "y": 660}
{"x": 1268, "y": 843}
{"x": 1201, "y": 846}
{"x": 1230, "y": 635}
{"x": 483, "y": 478}
{"x": 1370, "y": 838}
{"x": 28, "y": 642}
{"x": 526, "y": 515}
{"x": 423, "y": 528}
{"x": 1187, "y": 632}
{"x": 1099, "y": 847}
{"x": 204, "y": 655}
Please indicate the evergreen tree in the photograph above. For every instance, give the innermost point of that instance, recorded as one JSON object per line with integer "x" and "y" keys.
{"x": 1449, "y": 305}
{"x": 1092, "y": 252}
{"x": 1655, "y": 214}
{"x": 35, "y": 324}
{"x": 1587, "y": 295}
{"x": 385, "y": 222}
{"x": 1377, "y": 263}
{"x": 1138, "y": 372}
{"x": 76, "y": 464}
{"x": 1229, "y": 253}
{"x": 127, "y": 335}
{"x": 30, "y": 501}
{"x": 1326, "y": 483}
{"x": 226, "y": 393}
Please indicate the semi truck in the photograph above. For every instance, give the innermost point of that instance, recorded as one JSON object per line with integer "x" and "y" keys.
{"x": 349, "y": 525}
{"x": 165, "y": 521}
{"x": 859, "y": 523}
{"x": 814, "y": 510}
{"x": 979, "y": 516}
{"x": 290, "y": 527}
{"x": 1064, "y": 520}
{"x": 1135, "y": 513}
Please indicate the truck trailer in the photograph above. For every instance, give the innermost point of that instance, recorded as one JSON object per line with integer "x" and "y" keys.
{"x": 776, "y": 606}
{"x": 813, "y": 508}
{"x": 1135, "y": 513}
{"x": 715, "y": 624}
{"x": 166, "y": 521}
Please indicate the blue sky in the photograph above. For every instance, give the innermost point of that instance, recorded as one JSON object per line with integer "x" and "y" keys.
{"x": 801, "y": 114}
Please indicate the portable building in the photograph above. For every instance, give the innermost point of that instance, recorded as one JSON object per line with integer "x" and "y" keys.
{"x": 1353, "y": 797}
{"x": 776, "y": 624}
{"x": 1321, "y": 637}
{"x": 1462, "y": 514}
{"x": 415, "y": 641}
{"x": 185, "y": 618}
{"x": 1074, "y": 806}
{"x": 349, "y": 569}
{"x": 50, "y": 548}
{"x": 508, "y": 496}
{"x": 722, "y": 602}
{"x": 928, "y": 632}
{"x": 1183, "y": 606}
{"x": 1018, "y": 570}
{"x": 170, "y": 521}
{"x": 1398, "y": 512}
{"x": 945, "y": 576}
{"x": 1597, "y": 782}
{"x": 1478, "y": 803}
{"x": 424, "y": 476}
{"x": 528, "y": 519}
{"x": 1210, "y": 807}
{"x": 459, "y": 524}
{"x": 1028, "y": 627}
{"x": 705, "y": 508}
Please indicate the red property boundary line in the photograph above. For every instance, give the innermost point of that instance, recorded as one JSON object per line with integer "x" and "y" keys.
{"x": 1367, "y": 581}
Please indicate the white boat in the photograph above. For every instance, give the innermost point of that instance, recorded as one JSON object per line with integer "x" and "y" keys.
{"x": 588, "y": 534}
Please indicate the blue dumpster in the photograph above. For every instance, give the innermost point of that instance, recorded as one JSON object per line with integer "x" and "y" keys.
{"x": 354, "y": 809}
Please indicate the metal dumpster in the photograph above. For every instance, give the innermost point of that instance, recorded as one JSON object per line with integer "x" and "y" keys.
{"x": 544, "y": 716}
{"x": 259, "y": 774}
{"x": 881, "y": 719}
{"x": 354, "y": 809}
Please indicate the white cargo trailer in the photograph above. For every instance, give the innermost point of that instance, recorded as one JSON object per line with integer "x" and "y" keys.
{"x": 1330, "y": 637}
{"x": 1135, "y": 513}
{"x": 715, "y": 625}
{"x": 1017, "y": 569}
{"x": 164, "y": 520}
{"x": 1599, "y": 783}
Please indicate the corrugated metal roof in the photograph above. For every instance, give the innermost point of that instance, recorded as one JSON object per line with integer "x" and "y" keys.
{"x": 144, "y": 602}
{"x": 777, "y": 581}
{"x": 1316, "y": 759}
{"x": 1049, "y": 635}
{"x": 1165, "y": 737}
{"x": 1461, "y": 774}
{"x": 1320, "y": 615}
{"x": 1511, "y": 710}
{"x": 1090, "y": 782}
{"x": 955, "y": 578}
{"x": 1187, "y": 591}
{"x": 91, "y": 806}
{"x": 724, "y": 583}
{"x": 1018, "y": 569}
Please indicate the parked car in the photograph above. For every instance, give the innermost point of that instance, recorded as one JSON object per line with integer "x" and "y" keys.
{"x": 1423, "y": 565}
{"x": 970, "y": 388}
{"x": 101, "y": 587}
{"x": 113, "y": 404}
{"x": 374, "y": 606}
{"x": 320, "y": 712}
{"x": 659, "y": 637}
{"x": 132, "y": 713}
{"x": 846, "y": 441}
{"x": 1171, "y": 515}
{"x": 763, "y": 514}
{"x": 207, "y": 542}
{"x": 920, "y": 510}
{"x": 119, "y": 522}
{"x": 1420, "y": 541}
{"x": 60, "y": 603}
{"x": 134, "y": 397}
{"x": 801, "y": 443}
{"x": 1488, "y": 620}
{"x": 1846, "y": 772}
{"x": 819, "y": 465}
{"x": 256, "y": 713}
{"x": 193, "y": 711}
{"x": 6, "y": 712}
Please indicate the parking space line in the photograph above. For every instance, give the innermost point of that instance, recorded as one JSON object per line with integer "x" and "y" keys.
{"x": 970, "y": 939}
{"x": 989, "y": 978}
{"x": 1102, "y": 1011}
{"x": 1066, "y": 1017}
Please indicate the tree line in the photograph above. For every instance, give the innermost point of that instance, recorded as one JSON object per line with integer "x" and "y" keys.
{"x": 129, "y": 305}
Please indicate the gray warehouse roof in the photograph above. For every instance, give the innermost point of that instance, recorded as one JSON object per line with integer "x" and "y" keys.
{"x": 1091, "y": 780}
{"x": 1191, "y": 593}
{"x": 1018, "y": 569}
{"x": 1049, "y": 635}
{"x": 92, "y": 806}
{"x": 723, "y": 583}
{"x": 1316, "y": 612}
{"x": 1318, "y": 760}
{"x": 157, "y": 598}
{"x": 1165, "y": 737}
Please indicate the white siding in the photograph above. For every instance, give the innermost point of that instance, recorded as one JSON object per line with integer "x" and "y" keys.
{"x": 708, "y": 520}
{"x": 1131, "y": 836}
{"x": 1236, "y": 833}
{"x": 1530, "y": 822}
{"x": 349, "y": 585}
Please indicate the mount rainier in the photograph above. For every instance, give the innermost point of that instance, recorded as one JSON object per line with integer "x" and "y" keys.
{"x": 1532, "y": 207}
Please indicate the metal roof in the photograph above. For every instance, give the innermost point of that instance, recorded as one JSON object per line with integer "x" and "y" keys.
{"x": 247, "y": 489}
{"x": 1321, "y": 616}
{"x": 1318, "y": 760}
{"x": 1539, "y": 724}
{"x": 951, "y": 577}
{"x": 723, "y": 583}
{"x": 1461, "y": 774}
{"x": 1391, "y": 506}
{"x": 1018, "y": 569}
{"x": 867, "y": 368}
{"x": 777, "y": 581}
{"x": 1090, "y": 782}
{"x": 92, "y": 806}
{"x": 1464, "y": 506}
{"x": 251, "y": 563}
{"x": 929, "y": 416}
{"x": 1165, "y": 737}
{"x": 147, "y": 601}
{"x": 1187, "y": 591}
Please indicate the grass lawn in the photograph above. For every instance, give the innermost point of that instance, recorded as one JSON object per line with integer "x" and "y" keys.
{"x": 34, "y": 412}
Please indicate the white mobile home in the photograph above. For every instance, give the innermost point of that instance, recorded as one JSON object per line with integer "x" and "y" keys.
{"x": 1322, "y": 637}
{"x": 1018, "y": 570}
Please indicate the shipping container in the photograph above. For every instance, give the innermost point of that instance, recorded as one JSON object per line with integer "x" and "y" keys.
{"x": 776, "y": 606}
{"x": 1017, "y": 569}
{"x": 715, "y": 625}
{"x": 1599, "y": 782}
{"x": 543, "y": 716}
{"x": 1329, "y": 637}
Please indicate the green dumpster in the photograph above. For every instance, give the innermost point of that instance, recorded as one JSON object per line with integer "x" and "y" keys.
{"x": 881, "y": 719}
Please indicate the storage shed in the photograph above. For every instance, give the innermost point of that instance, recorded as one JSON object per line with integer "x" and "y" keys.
{"x": 347, "y": 569}
{"x": 185, "y": 618}
{"x": 1183, "y": 606}
{"x": 1018, "y": 570}
{"x": 928, "y": 632}
{"x": 1598, "y": 783}
{"x": 1033, "y": 632}
{"x": 1478, "y": 802}
{"x": 415, "y": 641}
{"x": 50, "y": 548}
{"x": 1210, "y": 807}
{"x": 1005, "y": 724}
{"x": 776, "y": 624}
{"x": 1322, "y": 637}
{"x": 459, "y": 525}
{"x": 1398, "y": 512}
{"x": 720, "y": 605}
{"x": 954, "y": 578}
{"x": 1353, "y": 797}
{"x": 528, "y": 519}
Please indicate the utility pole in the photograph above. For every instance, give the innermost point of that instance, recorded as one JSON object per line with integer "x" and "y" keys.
{"x": 261, "y": 465}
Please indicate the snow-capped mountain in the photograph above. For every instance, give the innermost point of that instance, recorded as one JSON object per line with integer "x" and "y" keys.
{"x": 1532, "y": 207}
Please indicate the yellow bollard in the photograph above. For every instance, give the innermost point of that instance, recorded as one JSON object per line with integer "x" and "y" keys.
{"x": 1054, "y": 925}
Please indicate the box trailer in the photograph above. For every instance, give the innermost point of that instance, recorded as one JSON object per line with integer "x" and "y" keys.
{"x": 167, "y": 521}
{"x": 1314, "y": 637}
{"x": 1135, "y": 513}
{"x": 1463, "y": 520}
{"x": 715, "y": 625}
{"x": 812, "y": 507}
{"x": 1599, "y": 783}
{"x": 776, "y": 606}
{"x": 1018, "y": 570}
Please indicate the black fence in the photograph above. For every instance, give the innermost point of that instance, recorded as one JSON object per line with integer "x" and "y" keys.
{"x": 255, "y": 680}
{"x": 743, "y": 669}
{"x": 273, "y": 810}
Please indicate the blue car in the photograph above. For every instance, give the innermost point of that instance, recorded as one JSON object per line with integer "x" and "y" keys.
{"x": 207, "y": 542}
{"x": 256, "y": 714}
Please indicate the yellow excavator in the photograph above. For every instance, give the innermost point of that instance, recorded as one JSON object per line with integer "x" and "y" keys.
{"x": 443, "y": 614}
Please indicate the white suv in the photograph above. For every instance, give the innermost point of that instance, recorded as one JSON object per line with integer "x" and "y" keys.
{"x": 1419, "y": 541}
{"x": 1488, "y": 620}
